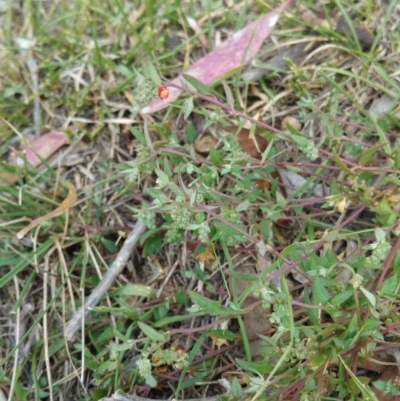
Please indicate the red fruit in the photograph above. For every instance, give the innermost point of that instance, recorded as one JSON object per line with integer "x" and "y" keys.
{"x": 180, "y": 352}
{"x": 163, "y": 92}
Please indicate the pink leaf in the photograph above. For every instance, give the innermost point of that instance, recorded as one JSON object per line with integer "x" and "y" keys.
{"x": 41, "y": 148}
{"x": 231, "y": 54}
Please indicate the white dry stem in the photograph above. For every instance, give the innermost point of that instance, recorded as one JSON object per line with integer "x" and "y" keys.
{"x": 119, "y": 263}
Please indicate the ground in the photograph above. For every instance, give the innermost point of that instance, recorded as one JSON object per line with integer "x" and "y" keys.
{"x": 232, "y": 233}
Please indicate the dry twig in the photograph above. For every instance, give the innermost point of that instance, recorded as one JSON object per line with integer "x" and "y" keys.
{"x": 106, "y": 282}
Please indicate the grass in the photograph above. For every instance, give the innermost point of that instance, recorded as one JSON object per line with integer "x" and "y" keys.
{"x": 248, "y": 282}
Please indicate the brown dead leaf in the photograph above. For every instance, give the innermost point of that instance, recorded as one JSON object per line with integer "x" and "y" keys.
{"x": 253, "y": 145}
{"x": 263, "y": 184}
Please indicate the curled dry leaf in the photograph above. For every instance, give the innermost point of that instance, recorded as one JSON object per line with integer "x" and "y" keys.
{"x": 65, "y": 205}
{"x": 253, "y": 145}
{"x": 205, "y": 143}
{"x": 289, "y": 120}
{"x": 230, "y": 55}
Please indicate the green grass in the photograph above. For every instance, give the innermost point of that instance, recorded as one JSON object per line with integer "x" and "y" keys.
{"x": 288, "y": 295}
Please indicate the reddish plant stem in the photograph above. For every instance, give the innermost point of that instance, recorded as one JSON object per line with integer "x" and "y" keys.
{"x": 386, "y": 265}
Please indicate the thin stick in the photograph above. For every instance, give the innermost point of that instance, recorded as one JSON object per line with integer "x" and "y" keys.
{"x": 106, "y": 282}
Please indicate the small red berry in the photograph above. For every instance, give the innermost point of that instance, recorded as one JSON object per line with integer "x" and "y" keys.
{"x": 180, "y": 352}
{"x": 163, "y": 92}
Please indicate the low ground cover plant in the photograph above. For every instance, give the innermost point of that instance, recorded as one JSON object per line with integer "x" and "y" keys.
{"x": 199, "y": 214}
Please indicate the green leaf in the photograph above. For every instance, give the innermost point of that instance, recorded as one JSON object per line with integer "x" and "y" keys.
{"x": 387, "y": 387}
{"x": 265, "y": 228}
{"x": 228, "y": 230}
{"x": 109, "y": 245}
{"x": 340, "y": 163}
{"x": 370, "y": 297}
{"x": 390, "y": 285}
{"x": 371, "y": 325}
{"x": 150, "y": 333}
{"x": 168, "y": 320}
{"x": 120, "y": 347}
{"x": 261, "y": 367}
{"x": 216, "y": 156}
{"x": 151, "y": 381}
{"x": 320, "y": 359}
{"x": 380, "y": 234}
{"x": 152, "y": 246}
{"x": 108, "y": 365}
{"x": 342, "y": 297}
{"x": 167, "y": 168}
{"x": 197, "y": 85}
{"x": 188, "y": 108}
{"x": 236, "y": 388}
{"x": 351, "y": 330}
{"x": 137, "y": 290}
{"x": 365, "y": 390}
{"x": 192, "y": 355}
{"x": 369, "y": 154}
{"x": 280, "y": 200}
{"x": 243, "y": 206}
{"x": 191, "y": 133}
{"x": 162, "y": 175}
{"x": 181, "y": 297}
{"x": 208, "y": 305}
{"x": 320, "y": 294}
{"x": 300, "y": 140}
{"x": 309, "y": 385}
{"x": 138, "y": 135}
{"x": 397, "y": 159}
{"x": 353, "y": 386}
{"x": 224, "y": 334}
{"x": 150, "y": 72}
